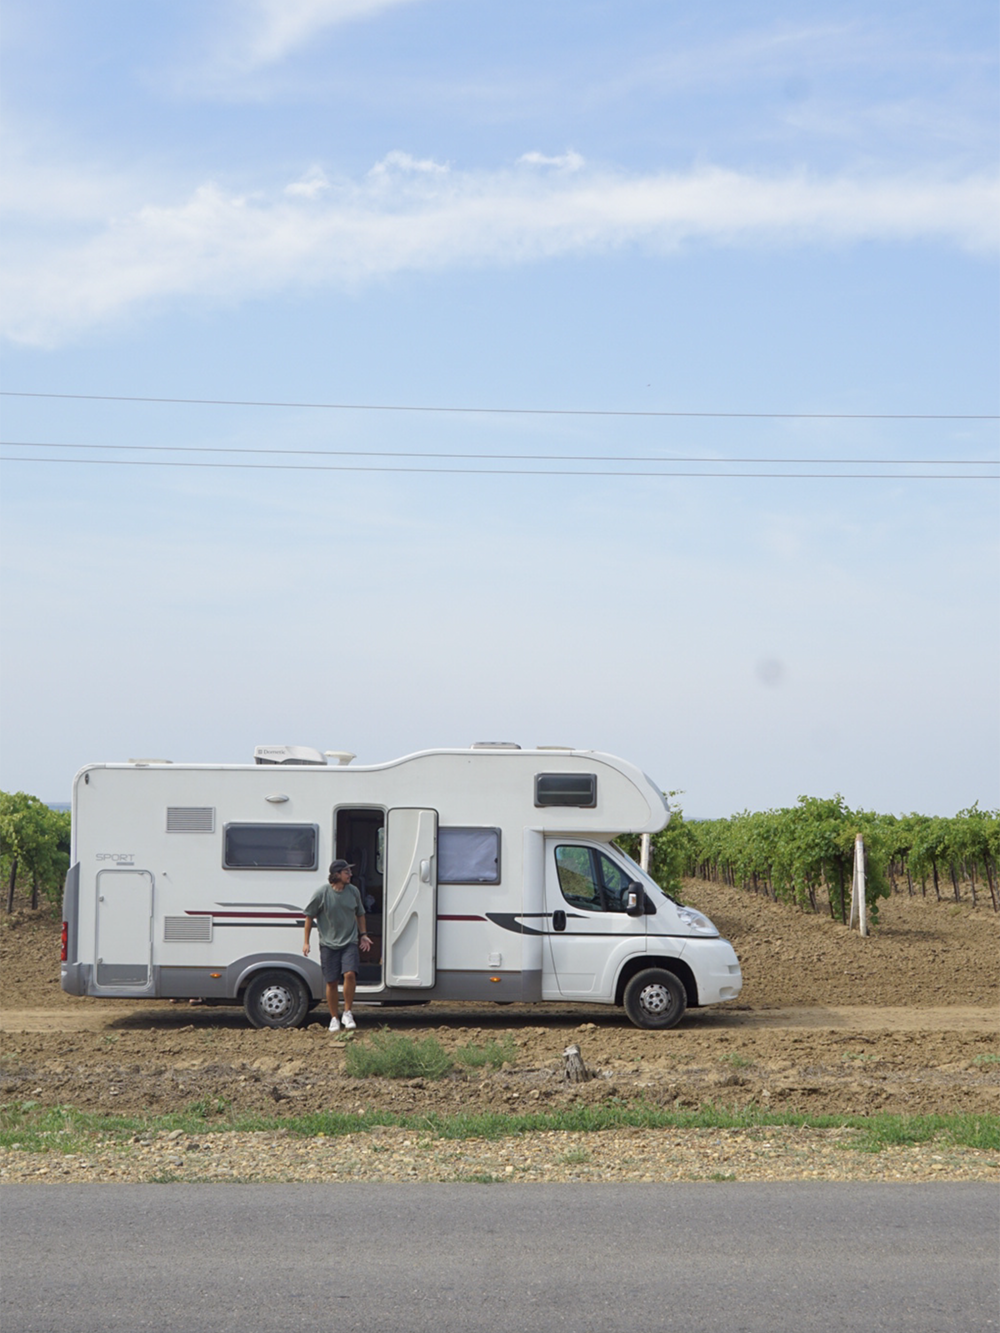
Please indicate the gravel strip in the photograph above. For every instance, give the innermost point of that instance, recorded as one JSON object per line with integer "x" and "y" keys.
{"x": 390, "y": 1154}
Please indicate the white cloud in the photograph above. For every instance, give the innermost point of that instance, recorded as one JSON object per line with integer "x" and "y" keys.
{"x": 314, "y": 182}
{"x": 64, "y": 275}
{"x": 569, "y": 161}
{"x": 397, "y": 161}
{"x": 273, "y": 29}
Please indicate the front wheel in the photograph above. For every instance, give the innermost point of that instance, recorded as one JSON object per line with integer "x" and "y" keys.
{"x": 655, "y": 999}
{"x": 276, "y": 1000}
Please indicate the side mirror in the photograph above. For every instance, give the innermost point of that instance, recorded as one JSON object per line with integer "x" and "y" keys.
{"x": 635, "y": 899}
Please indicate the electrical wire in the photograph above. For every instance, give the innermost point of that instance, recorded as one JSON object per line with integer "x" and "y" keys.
{"x": 487, "y": 457}
{"x": 507, "y": 472}
{"x": 517, "y": 411}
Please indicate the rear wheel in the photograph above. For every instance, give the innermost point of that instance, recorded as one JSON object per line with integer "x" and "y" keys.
{"x": 276, "y": 1000}
{"x": 655, "y": 999}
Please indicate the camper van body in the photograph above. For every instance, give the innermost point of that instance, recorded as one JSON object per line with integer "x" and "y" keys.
{"x": 488, "y": 874}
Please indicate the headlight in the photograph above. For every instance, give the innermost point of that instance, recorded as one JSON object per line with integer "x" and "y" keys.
{"x": 695, "y": 921}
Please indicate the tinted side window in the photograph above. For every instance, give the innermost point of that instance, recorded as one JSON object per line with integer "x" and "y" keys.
{"x": 577, "y": 789}
{"x": 270, "y": 847}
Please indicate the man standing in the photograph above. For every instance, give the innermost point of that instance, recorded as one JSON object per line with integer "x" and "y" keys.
{"x": 339, "y": 915}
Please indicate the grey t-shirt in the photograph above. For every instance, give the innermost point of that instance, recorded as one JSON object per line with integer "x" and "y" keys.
{"x": 336, "y": 913}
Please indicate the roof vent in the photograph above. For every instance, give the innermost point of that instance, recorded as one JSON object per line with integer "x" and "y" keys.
{"x": 341, "y": 756}
{"x": 287, "y": 754}
{"x": 495, "y": 745}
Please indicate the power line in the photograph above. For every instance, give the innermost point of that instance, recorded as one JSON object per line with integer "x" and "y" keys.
{"x": 488, "y": 457}
{"x": 517, "y": 411}
{"x": 507, "y": 472}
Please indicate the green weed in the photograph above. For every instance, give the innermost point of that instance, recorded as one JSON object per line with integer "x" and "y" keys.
{"x": 392, "y": 1055}
{"x": 494, "y": 1053}
{"x": 736, "y": 1060}
{"x": 575, "y": 1157}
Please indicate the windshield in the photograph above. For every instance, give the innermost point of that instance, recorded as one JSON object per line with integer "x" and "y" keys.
{"x": 641, "y": 874}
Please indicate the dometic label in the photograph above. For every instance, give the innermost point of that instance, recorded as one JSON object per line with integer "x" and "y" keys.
{"x": 119, "y": 858}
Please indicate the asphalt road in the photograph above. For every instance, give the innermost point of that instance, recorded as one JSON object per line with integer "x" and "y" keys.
{"x": 690, "y": 1258}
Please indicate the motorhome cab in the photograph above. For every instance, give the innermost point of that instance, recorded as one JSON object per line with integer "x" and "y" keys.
{"x": 488, "y": 874}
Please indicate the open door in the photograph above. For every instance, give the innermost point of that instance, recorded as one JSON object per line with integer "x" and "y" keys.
{"x": 410, "y": 915}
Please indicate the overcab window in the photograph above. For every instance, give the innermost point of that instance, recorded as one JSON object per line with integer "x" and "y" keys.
{"x": 270, "y": 847}
{"x": 468, "y": 856}
{"x": 579, "y": 789}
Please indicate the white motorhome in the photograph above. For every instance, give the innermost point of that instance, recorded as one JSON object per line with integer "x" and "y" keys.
{"x": 488, "y": 873}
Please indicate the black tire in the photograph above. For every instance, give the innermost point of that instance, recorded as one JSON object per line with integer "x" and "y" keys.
{"x": 276, "y": 1000}
{"x": 655, "y": 998}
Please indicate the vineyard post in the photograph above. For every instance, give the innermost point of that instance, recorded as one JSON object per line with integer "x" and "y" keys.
{"x": 859, "y": 907}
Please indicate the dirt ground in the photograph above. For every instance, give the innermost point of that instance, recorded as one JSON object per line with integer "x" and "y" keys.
{"x": 905, "y": 1021}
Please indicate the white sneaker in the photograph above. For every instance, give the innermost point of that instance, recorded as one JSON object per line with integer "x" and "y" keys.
{"x": 349, "y": 1019}
{"x": 334, "y": 1023}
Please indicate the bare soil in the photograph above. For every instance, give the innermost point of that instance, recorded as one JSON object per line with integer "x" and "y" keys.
{"x": 906, "y": 1021}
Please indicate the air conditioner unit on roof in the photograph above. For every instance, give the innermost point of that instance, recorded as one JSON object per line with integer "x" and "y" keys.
{"x": 287, "y": 754}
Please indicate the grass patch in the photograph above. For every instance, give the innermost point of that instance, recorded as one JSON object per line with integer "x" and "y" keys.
{"x": 494, "y": 1053}
{"x": 987, "y": 1060}
{"x": 392, "y": 1055}
{"x": 36, "y": 1128}
{"x": 736, "y": 1060}
{"x": 575, "y": 1157}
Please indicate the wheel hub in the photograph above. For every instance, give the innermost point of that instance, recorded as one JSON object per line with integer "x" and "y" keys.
{"x": 655, "y": 999}
{"x": 275, "y": 1001}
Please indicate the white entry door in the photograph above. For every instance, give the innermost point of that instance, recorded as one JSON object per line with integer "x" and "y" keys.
{"x": 589, "y": 935}
{"x": 410, "y": 918}
{"x": 124, "y": 933}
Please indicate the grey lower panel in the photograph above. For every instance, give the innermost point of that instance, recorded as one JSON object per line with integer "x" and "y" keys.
{"x": 235, "y": 973}
{"x": 511, "y": 988}
{"x": 191, "y": 983}
{"x": 75, "y": 978}
{"x": 71, "y": 913}
{"x": 123, "y": 974}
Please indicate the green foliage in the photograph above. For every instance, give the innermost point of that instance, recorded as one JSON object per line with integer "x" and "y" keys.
{"x": 65, "y": 1129}
{"x": 34, "y": 844}
{"x": 670, "y": 851}
{"x": 493, "y": 1053}
{"x": 392, "y": 1055}
{"x": 793, "y": 853}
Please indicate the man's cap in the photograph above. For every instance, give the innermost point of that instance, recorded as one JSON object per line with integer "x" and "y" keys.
{"x": 337, "y": 866}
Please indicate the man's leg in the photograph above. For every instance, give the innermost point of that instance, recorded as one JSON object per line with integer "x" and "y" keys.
{"x": 331, "y": 996}
{"x": 350, "y": 979}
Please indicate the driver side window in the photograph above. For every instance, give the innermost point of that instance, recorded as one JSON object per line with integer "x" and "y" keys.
{"x": 590, "y": 880}
{"x": 577, "y": 879}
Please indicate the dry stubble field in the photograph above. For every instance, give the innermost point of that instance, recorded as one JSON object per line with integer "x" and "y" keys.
{"x": 905, "y": 1022}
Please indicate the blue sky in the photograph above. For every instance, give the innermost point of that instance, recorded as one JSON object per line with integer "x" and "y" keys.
{"x": 627, "y": 208}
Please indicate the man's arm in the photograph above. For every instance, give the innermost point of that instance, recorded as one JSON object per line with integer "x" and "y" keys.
{"x": 309, "y": 926}
{"x": 362, "y": 932}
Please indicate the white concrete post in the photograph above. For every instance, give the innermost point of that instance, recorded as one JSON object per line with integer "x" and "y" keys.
{"x": 644, "y": 852}
{"x": 859, "y": 907}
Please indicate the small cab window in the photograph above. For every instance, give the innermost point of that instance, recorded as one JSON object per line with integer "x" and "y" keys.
{"x": 270, "y": 847}
{"x": 468, "y": 855}
{"x": 576, "y": 789}
{"x": 590, "y": 880}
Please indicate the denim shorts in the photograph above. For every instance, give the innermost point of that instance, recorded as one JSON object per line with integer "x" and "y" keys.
{"x": 336, "y": 962}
